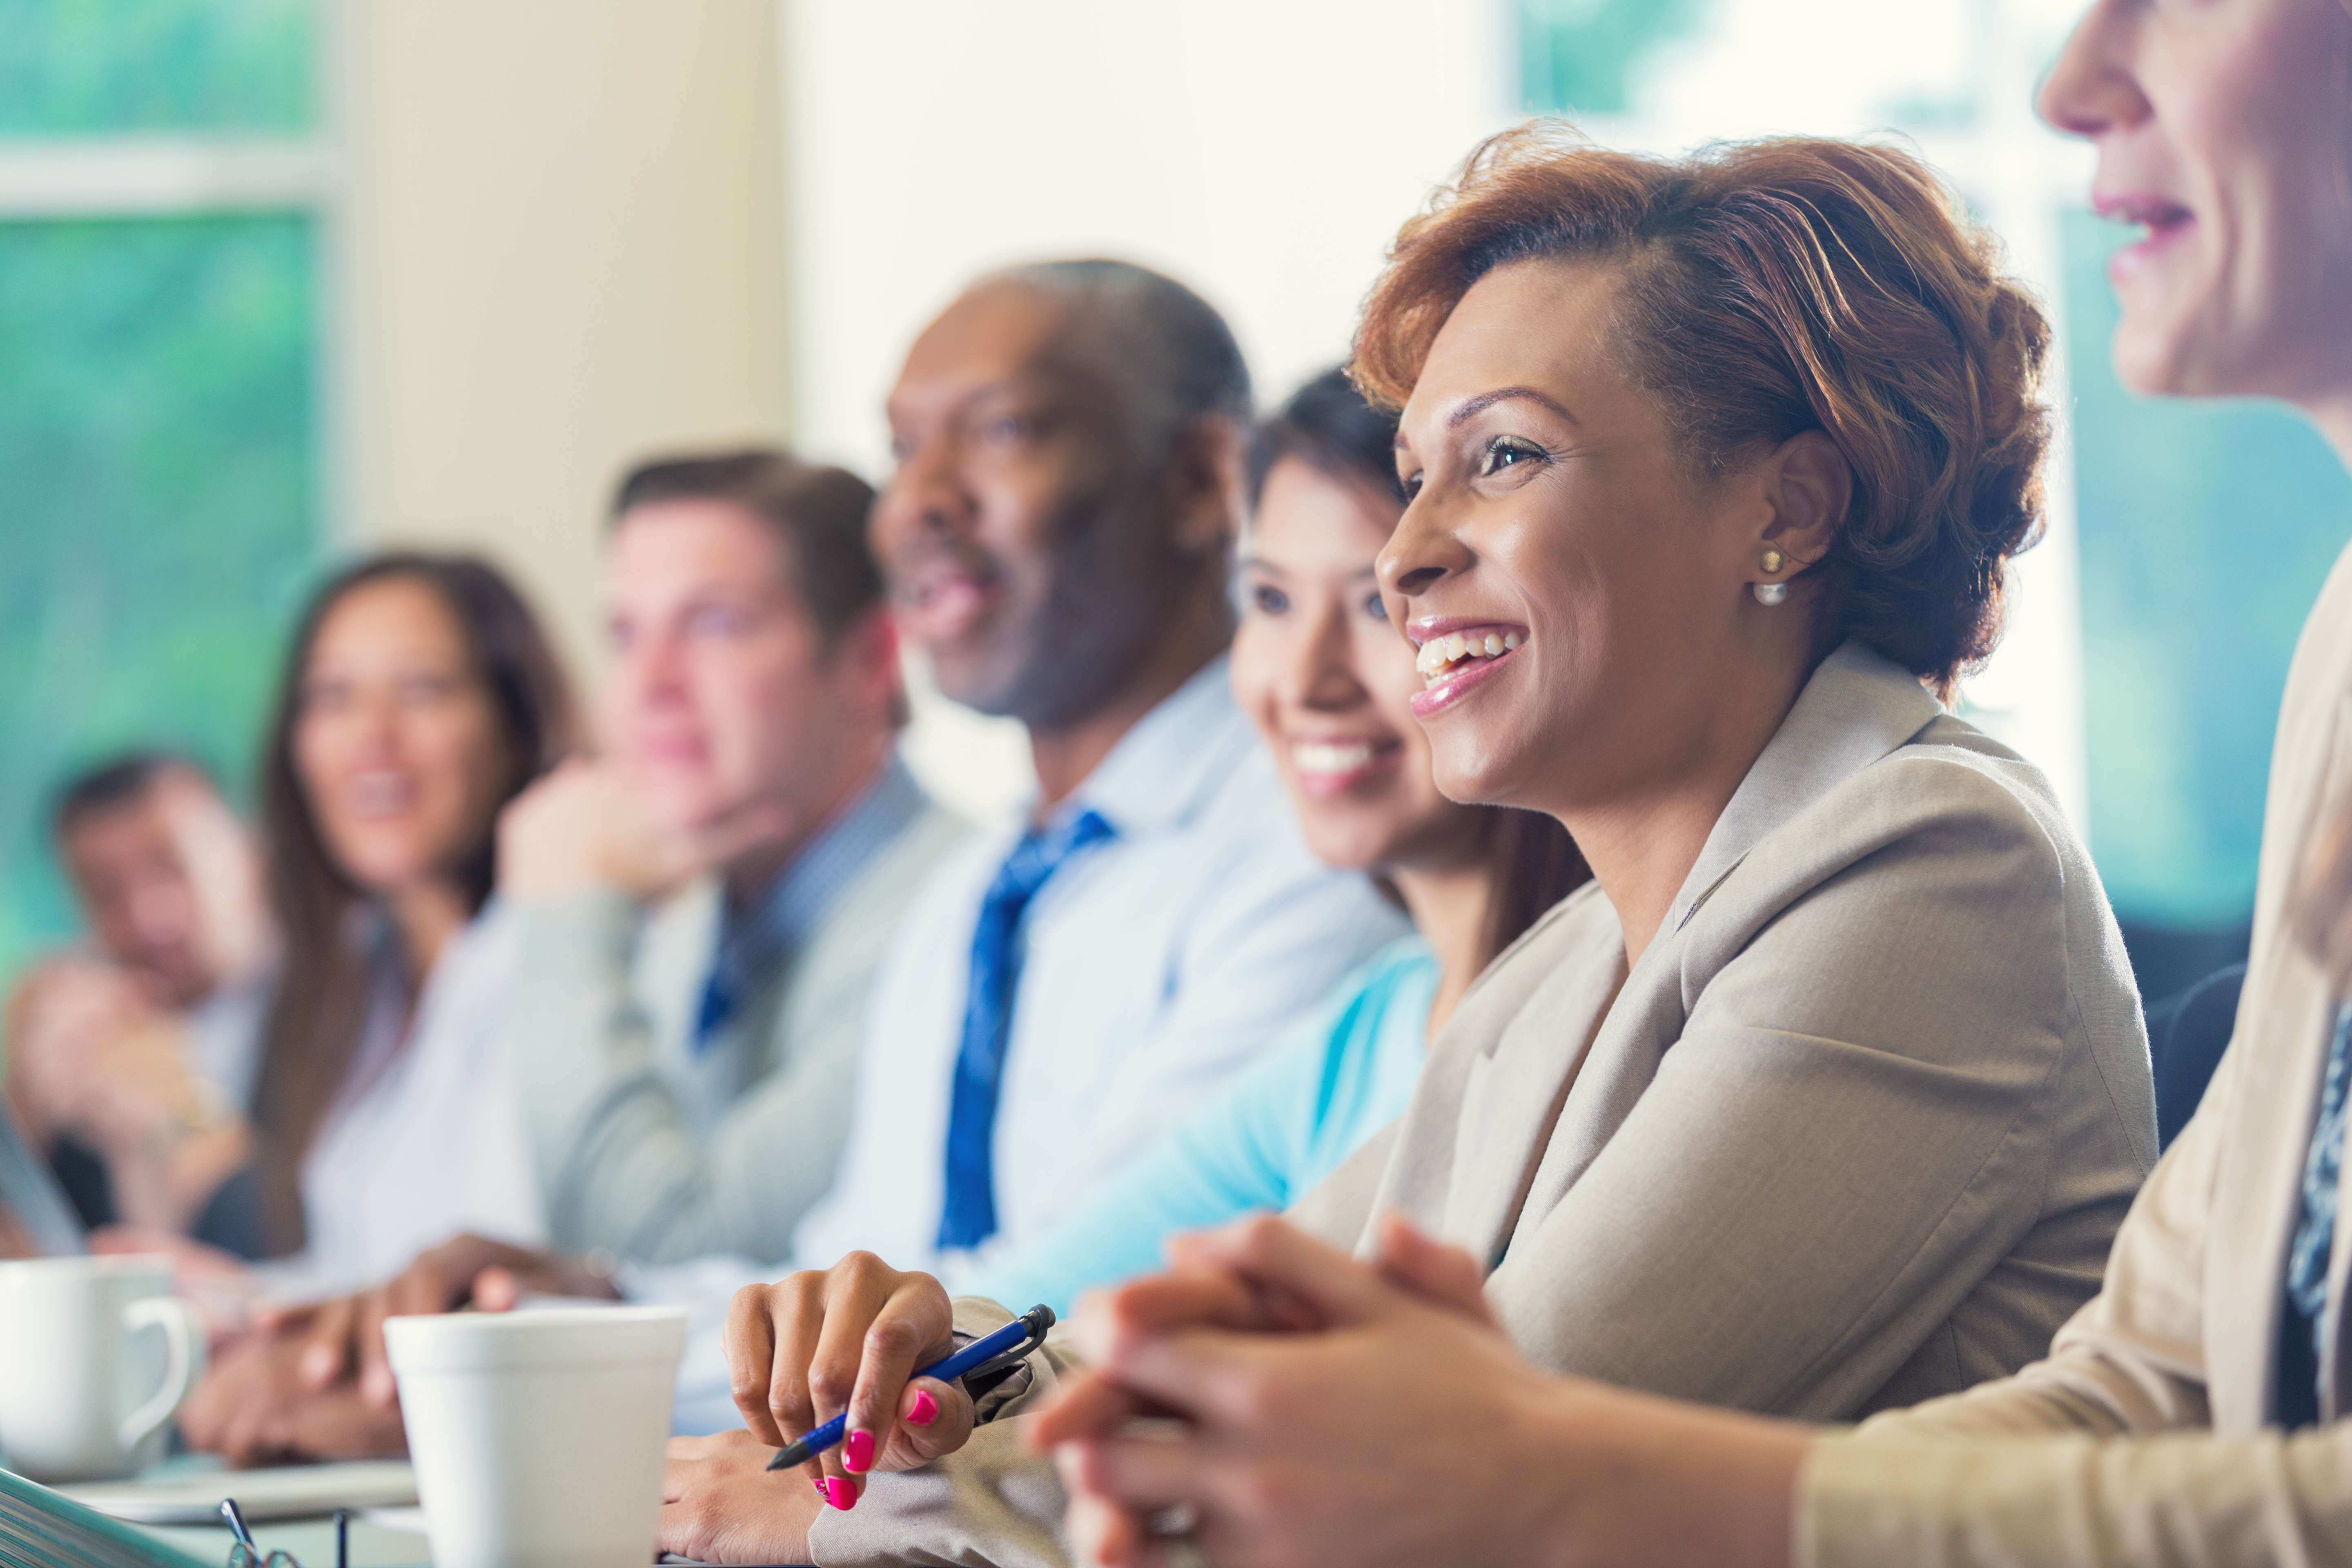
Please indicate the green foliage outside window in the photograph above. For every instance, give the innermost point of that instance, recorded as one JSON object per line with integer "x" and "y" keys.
{"x": 2206, "y": 531}
{"x": 158, "y": 482}
{"x": 158, "y": 505}
{"x": 87, "y": 67}
{"x": 1581, "y": 56}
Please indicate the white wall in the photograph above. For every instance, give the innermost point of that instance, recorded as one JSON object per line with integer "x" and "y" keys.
{"x": 1265, "y": 152}
{"x": 561, "y": 247}
{"x": 1262, "y": 153}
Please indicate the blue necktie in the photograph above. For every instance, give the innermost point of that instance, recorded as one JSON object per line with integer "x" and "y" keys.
{"x": 969, "y": 1216}
{"x": 2314, "y": 1234}
{"x": 718, "y": 1007}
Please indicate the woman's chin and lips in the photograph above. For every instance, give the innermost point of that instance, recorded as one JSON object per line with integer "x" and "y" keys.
{"x": 1477, "y": 712}
{"x": 1353, "y": 794}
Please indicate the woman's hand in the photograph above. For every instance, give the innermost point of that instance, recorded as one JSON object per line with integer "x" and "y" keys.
{"x": 719, "y": 1504}
{"x": 345, "y": 1336}
{"x": 1404, "y": 1429}
{"x": 848, "y": 1338}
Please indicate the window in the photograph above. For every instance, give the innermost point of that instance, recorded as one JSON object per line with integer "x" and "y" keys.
{"x": 2206, "y": 531}
{"x": 161, "y": 186}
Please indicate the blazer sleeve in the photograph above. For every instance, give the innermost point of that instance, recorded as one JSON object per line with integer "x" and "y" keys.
{"x": 2190, "y": 1499}
{"x": 1851, "y": 1132}
{"x": 2132, "y": 1361}
{"x": 2096, "y": 1455}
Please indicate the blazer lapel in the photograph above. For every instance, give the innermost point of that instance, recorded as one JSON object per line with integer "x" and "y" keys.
{"x": 1858, "y": 707}
{"x": 2282, "y": 1032}
{"x": 1563, "y": 1074}
{"x": 1646, "y": 1018}
{"x": 1514, "y": 1091}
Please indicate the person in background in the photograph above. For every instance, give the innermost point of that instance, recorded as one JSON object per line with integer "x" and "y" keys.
{"x": 171, "y": 998}
{"x": 701, "y": 912}
{"x": 420, "y": 697}
{"x": 1829, "y": 1092}
{"x": 2194, "y": 1412}
{"x": 1329, "y": 682}
{"x": 1057, "y": 534}
{"x": 688, "y": 1069}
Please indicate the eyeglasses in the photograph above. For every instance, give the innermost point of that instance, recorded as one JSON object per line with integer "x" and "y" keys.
{"x": 244, "y": 1552}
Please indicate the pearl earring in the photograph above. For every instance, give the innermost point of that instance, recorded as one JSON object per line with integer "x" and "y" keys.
{"x": 1771, "y": 592}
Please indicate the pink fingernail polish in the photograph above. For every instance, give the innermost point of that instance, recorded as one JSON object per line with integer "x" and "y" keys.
{"x": 840, "y": 1493}
{"x": 857, "y": 1453}
{"x": 926, "y": 1408}
{"x": 820, "y": 1490}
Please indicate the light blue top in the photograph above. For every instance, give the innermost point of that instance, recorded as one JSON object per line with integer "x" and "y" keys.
{"x": 1263, "y": 1141}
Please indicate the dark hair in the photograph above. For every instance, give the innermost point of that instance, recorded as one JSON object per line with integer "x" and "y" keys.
{"x": 1767, "y": 288}
{"x": 820, "y": 513}
{"x": 1177, "y": 356}
{"x": 315, "y": 1020}
{"x": 121, "y": 780}
{"x": 1531, "y": 862}
{"x": 1330, "y": 424}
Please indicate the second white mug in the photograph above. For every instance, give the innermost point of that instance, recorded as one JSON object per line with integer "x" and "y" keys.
{"x": 100, "y": 1355}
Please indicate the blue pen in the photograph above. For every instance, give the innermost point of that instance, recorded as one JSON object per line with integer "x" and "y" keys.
{"x": 1024, "y": 1333}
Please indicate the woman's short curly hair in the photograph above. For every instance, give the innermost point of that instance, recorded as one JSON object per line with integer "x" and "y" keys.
{"x": 1770, "y": 288}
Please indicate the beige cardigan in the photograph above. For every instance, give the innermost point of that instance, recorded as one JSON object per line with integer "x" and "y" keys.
{"x": 1857, "y": 1129}
{"x": 2183, "y": 1338}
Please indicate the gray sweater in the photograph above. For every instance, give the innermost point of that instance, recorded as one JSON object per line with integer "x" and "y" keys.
{"x": 658, "y": 1152}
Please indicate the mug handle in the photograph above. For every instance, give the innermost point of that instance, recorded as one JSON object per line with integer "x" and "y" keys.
{"x": 183, "y": 1362}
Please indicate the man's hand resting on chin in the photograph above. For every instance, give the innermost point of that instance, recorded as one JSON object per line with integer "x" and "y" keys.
{"x": 720, "y": 1505}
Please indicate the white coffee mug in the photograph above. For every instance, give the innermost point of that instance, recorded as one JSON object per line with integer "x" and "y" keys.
{"x": 538, "y": 1436}
{"x": 85, "y": 1390}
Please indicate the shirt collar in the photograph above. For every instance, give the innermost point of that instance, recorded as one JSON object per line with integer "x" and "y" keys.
{"x": 1858, "y": 707}
{"x": 758, "y": 935}
{"x": 1163, "y": 769}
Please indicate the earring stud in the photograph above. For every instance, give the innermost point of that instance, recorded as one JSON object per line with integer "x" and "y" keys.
{"x": 1771, "y": 592}
{"x": 1773, "y": 559}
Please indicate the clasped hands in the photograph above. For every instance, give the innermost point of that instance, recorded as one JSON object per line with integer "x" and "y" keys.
{"x": 314, "y": 1382}
{"x": 1289, "y": 1402}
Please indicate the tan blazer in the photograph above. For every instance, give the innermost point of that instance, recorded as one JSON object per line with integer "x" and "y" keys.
{"x": 2183, "y": 1336}
{"x": 1857, "y": 1129}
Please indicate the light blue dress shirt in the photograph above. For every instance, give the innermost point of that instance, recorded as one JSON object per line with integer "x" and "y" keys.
{"x": 1262, "y": 1142}
{"x": 1154, "y": 967}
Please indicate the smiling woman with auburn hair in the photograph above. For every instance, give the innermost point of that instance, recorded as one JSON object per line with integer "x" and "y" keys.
{"x": 1829, "y": 1091}
{"x": 1762, "y": 290}
{"x": 2198, "y": 1411}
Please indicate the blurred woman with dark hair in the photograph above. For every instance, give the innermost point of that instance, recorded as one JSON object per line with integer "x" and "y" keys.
{"x": 420, "y": 696}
